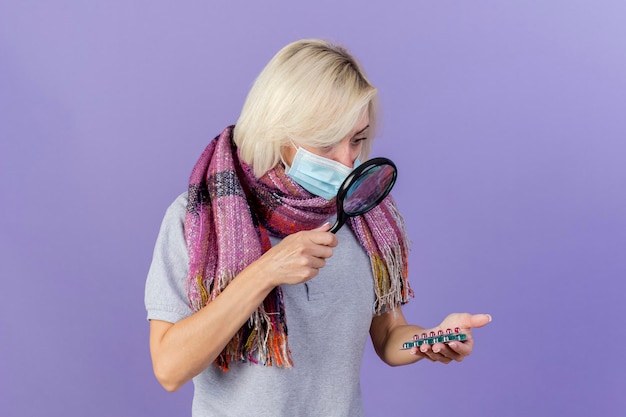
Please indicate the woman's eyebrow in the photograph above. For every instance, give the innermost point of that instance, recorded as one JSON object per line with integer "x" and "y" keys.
{"x": 362, "y": 130}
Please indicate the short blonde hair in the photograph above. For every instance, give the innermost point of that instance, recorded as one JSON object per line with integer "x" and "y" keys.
{"x": 311, "y": 93}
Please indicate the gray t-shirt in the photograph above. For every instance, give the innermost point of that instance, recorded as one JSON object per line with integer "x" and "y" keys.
{"x": 328, "y": 321}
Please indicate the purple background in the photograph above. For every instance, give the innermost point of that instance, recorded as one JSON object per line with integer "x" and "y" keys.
{"x": 506, "y": 121}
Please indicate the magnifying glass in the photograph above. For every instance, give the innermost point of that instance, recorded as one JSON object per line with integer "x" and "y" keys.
{"x": 365, "y": 187}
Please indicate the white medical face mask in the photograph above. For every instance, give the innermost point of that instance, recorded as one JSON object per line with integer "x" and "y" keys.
{"x": 318, "y": 175}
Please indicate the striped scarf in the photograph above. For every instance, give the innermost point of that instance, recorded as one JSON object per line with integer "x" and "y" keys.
{"x": 230, "y": 216}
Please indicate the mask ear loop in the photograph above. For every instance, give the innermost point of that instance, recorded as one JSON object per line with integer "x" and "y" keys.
{"x": 282, "y": 158}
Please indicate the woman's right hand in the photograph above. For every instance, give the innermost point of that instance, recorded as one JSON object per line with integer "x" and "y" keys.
{"x": 298, "y": 257}
{"x": 182, "y": 350}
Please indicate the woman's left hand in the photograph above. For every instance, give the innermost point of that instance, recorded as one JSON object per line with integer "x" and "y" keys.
{"x": 456, "y": 350}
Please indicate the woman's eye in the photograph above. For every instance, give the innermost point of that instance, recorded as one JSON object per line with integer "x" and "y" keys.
{"x": 356, "y": 141}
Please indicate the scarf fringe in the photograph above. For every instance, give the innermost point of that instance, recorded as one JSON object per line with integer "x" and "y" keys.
{"x": 266, "y": 339}
{"x": 388, "y": 256}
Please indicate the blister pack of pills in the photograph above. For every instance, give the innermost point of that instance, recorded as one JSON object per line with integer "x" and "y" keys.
{"x": 430, "y": 339}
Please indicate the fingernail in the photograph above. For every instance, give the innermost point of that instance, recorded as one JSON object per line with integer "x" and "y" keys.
{"x": 452, "y": 345}
{"x": 489, "y": 318}
{"x": 436, "y": 350}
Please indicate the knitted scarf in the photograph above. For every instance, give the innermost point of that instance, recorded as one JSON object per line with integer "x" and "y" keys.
{"x": 230, "y": 216}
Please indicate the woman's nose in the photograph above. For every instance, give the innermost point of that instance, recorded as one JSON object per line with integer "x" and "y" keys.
{"x": 344, "y": 155}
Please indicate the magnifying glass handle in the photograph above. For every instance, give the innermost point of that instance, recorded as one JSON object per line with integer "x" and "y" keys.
{"x": 341, "y": 220}
{"x": 335, "y": 228}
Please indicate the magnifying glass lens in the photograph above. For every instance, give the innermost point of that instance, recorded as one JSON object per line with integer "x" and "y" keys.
{"x": 364, "y": 189}
{"x": 368, "y": 190}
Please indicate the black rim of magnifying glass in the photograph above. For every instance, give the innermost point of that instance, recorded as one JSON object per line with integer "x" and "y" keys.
{"x": 351, "y": 178}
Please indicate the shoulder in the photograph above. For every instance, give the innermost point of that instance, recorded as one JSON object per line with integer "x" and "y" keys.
{"x": 179, "y": 206}
{"x": 175, "y": 213}
{"x": 173, "y": 223}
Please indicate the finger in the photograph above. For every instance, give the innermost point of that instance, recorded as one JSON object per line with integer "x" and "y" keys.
{"x": 447, "y": 352}
{"x": 424, "y": 353}
{"x": 479, "y": 320}
{"x": 429, "y": 355}
{"x": 437, "y": 357}
{"x": 414, "y": 351}
{"x": 425, "y": 349}
{"x": 460, "y": 348}
{"x": 466, "y": 320}
{"x": 323, "y": 228}
{"x": 323, "y": 237}
{"x": 440, "y": 352}
{"x": 317, "y": 263}
{"x": 322, "y": 252}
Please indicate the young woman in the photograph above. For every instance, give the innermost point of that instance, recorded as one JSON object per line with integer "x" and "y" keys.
{"x": 248, "y": 293}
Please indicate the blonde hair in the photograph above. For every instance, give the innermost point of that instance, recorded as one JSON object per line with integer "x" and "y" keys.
{"x": 311, "y": 93}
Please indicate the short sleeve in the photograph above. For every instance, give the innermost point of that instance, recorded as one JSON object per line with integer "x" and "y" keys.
{"x": 165, "y": 292}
